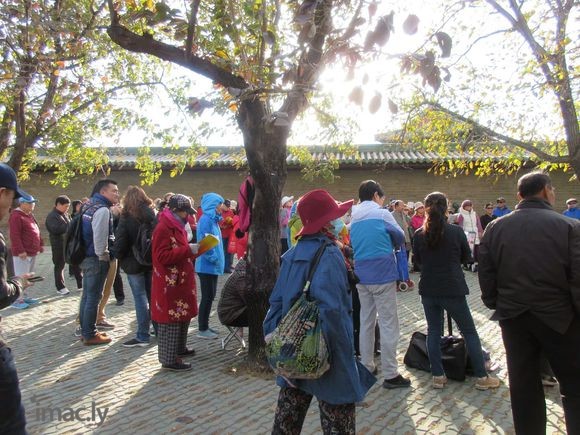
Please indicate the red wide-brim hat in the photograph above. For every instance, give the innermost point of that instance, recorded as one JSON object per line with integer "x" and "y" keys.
{"x": 317, "y": 208}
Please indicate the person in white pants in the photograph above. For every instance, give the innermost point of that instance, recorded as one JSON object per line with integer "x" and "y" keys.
{"x": 26, "y": 242}
{"x": 375, "y": 235}
{"x": 381, "y": 299}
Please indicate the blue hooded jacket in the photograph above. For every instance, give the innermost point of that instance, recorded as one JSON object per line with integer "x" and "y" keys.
{"x": 211, "y": 262}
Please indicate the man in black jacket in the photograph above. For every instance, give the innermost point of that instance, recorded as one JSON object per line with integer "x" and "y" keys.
{"x": 57, "y": 223}
{"x": 529, "y": 272}
{"x": 12, "y": 419}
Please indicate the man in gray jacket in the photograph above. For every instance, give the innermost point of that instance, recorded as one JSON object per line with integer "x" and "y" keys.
{"x": 529, "y": 272}
{"x": 98, "y": 237}
{"x": 57, "y": 222}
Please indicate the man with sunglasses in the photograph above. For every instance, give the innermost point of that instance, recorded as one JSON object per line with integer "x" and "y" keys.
{"x": 501, "y": 209}
{"x": 487, "y": 217}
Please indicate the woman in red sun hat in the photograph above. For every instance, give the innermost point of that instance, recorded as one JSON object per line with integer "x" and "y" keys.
{"x": 347, "y": 381}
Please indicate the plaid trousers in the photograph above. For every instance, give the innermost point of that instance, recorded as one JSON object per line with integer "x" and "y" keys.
{"x": 172, "y": 339}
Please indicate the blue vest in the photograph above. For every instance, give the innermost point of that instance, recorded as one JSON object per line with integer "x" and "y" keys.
{"x": 96, "y": 202}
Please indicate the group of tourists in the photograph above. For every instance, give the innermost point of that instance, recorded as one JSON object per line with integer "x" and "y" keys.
{"x": 529, "y": 263}
{"x": 162, "y": 244}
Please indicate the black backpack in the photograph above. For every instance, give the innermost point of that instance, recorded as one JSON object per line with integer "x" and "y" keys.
{"x": 142, "y": 246}
{"x": 74, "y": 246}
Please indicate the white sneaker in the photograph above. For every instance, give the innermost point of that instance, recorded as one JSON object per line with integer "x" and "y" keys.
{"x": 63, "y": 291}
{"x": 207, "y": 334}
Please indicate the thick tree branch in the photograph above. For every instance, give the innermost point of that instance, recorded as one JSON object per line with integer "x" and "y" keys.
{"x": 503, "y": 12}
{"x": 90, "y": 23}
{"x": 236, "y": 34}
{"x": 47, "y": 104}
{"x": 146, "y": 44}
{"x": 191, "y": 27}
{"x": 310, "y": 64}
{"x": 527, "y": 146}
{"x": 556, "y": 77}
{"x": 351, "y": 29}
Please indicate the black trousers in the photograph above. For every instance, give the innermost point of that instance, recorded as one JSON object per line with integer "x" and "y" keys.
{"x": 77, "y": 273}
{"x": 59, "y": 263}
{"x": 12, "y": 418}
{"x": 208, "y": 284}
{"x": 118, "y": 287}
{"x": 526, "y": 338}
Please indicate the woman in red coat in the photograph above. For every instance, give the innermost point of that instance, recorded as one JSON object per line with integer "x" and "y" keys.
{"x": 173, "y": 292}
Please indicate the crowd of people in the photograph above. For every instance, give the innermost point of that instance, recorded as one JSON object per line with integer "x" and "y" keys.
{"x": 356, "y": 286}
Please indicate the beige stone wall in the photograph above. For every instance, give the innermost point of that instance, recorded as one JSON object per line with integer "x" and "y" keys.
{"x": 405, "y": 184}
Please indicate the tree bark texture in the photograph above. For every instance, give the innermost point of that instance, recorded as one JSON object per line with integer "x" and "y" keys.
{"x": 265, "y": 146}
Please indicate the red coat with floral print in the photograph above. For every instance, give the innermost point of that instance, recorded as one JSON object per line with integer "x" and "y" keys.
{"x": 173, "y": 292}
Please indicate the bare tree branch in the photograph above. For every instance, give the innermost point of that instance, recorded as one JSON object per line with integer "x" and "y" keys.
{"x": 88, "y": 103}
{"x": 527, "y": 146}
{"x": 480, "y": 38}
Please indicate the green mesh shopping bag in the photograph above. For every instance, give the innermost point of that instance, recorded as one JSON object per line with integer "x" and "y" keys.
{"x": 296, "y": 349}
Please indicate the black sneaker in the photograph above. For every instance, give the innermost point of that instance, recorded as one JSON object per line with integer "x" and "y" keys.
{"x": 186, "y": 352}
{"x": 397, "y": 382}
{"x": 177, "y": 367}
{"x": 135, "y": 343}
{"x": 120, "y": 302}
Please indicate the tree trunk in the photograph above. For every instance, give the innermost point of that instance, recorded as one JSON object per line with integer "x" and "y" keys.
{"x": 266, "y": 151}
{"x": 575, "y": 163}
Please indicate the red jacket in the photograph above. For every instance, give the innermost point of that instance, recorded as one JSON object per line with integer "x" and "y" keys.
{"x": 227, "y": 224}
{"x": 235, "y": 245}
{"x": 173, "y": 292}
{"x": 24, "y": 234}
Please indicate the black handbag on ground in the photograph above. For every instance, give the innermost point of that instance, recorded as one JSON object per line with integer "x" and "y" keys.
{"x": 453, "y": 353}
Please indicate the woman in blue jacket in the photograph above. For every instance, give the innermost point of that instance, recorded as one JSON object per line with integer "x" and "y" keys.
{"x": 347, "y": 381}
{"x": 210, "y": 264}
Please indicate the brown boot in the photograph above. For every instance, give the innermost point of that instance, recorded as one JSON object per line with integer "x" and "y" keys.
{"x": 97, "y": 339}
{"x": 486, "y": 383}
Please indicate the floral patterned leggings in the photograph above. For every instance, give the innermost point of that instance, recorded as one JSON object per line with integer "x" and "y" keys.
{"x": 293, "y": 405}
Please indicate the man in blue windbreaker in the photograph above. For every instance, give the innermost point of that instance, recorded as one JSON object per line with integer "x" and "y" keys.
{"x": 375, "y": 235}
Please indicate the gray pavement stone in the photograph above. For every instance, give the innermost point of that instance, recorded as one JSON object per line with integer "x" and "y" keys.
{"x": 57, "y": 372}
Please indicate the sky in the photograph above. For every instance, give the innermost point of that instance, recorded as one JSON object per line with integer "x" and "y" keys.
{"x": 489, "y": 57}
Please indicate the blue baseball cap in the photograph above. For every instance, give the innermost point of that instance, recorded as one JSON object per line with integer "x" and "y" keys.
{"x": 27, "y": 199}
{"x": 8, "y": 180}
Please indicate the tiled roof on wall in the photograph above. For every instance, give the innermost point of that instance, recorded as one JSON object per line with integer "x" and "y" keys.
{"x": 228, "y": 157}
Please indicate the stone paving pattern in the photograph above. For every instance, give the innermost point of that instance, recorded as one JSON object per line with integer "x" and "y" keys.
{"x": 56, "y": 370}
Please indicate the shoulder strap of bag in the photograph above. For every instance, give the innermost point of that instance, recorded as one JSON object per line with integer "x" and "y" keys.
{"x": 313, "y": 266}
{"x": 449, "y": 324}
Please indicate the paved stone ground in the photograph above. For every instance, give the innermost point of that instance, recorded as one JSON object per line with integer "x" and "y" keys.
{"x": 57, "y": 371}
